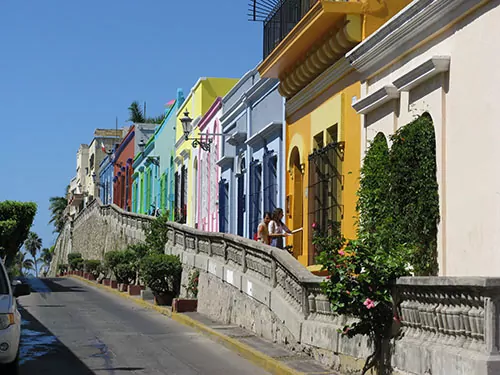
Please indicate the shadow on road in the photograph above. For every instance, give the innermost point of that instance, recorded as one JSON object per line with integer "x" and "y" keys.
{"x": 42, "y": 353}
{"x": 55, "y": 287}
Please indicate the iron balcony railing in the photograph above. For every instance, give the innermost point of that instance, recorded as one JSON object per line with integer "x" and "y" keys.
{"x": 282, "y": 20}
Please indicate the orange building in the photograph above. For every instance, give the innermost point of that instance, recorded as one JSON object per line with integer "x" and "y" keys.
{"x": 305, "y": 42}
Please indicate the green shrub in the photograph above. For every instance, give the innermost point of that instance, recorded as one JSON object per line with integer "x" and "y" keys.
{"x": 123, "y": 265}
{"x": 162, "y": 273}
{"x": 156, "y": 234}
{"x": 75, "y": 261}
{"x": 93, "y": 266}
{"x": 61, "y": 268}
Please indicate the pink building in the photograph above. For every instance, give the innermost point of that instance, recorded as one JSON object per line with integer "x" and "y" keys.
{"x": 208, "y": 171}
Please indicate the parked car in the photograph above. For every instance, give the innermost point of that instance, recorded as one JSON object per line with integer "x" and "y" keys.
{"x": 10, "y": 322}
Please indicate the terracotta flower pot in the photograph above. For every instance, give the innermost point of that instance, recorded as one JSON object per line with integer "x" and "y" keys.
{"x": 122, "y": 287}
{"x": 106, "y": 282}
{"x": 114, "y": 284}
{"x": 91, "y": 277}
{"x": 135, "y": 290}
{"x": 164, "y": 299}
{"x": 184, "y": 305}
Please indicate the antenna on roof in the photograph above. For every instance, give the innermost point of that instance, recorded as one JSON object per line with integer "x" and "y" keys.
{"x": 116, "y": 125}
{"x": 145, "y": 112}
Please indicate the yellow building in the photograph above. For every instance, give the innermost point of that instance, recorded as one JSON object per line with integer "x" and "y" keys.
{"x": 197, "y": 103}
{"x": 323, "y": 145}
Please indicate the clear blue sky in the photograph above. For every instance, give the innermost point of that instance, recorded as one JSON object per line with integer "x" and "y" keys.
{"x": 68, "y": 67}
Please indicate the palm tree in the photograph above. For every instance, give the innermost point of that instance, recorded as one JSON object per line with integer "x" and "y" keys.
{"x": 136, "y": 114}
{"x": 23, "y": 263}
{"x": 33, "y": 244}
{"x": 57, "y": 208}
{"x": 46, "y": 257}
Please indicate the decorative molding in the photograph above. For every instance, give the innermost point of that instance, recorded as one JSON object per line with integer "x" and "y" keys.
{"x": 417, "y": 21}
{"x": 376, "y": 99}
{"x": 423, "y": 72}
{"x": 236, "y": 138}
{"x": 262, "y": 135}
{"x": 178, "y": 160}
{"x": 214, "y": 108}
{"x": 225, "y": 160}
{"x": 186, "y": 153}
{"x": 331, "y": 75}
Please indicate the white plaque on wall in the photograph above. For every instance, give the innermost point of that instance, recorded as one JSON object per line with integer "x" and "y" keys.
{"x": 229, "y": 276}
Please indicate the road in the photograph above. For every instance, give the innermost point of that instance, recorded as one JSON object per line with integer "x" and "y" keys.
{"x": 72, "y": 328}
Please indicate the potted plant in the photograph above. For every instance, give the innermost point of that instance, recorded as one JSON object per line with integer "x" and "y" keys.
{"x": 191, "y": 302}
{"x": 92, "y": 266}
{"x": 162, "y": 274}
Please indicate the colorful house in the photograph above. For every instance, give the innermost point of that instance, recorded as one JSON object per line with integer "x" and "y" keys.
{"x": 207, "y": 215}
{"x": 123, "y": 158}
{"x": 443, "y": 67}
{"x": 251, "y": 162}
{"x": 306, "y": 51}
{"x": 198, "y": 102}
{"x": 153, "y": 181}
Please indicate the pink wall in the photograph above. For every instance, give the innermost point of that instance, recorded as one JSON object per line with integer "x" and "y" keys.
{"x": 208, "y": 172}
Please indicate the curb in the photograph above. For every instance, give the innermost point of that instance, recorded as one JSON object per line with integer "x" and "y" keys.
{"x": 260, "y": 359}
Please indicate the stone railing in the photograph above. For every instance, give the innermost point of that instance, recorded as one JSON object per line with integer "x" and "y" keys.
{"x": 449, "y": 325}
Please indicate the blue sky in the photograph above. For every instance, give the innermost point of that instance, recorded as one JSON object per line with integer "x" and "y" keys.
{"x": 68, "y": 67}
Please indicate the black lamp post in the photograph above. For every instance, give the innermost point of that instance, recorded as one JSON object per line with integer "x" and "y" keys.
{"x": 186, "y": 127}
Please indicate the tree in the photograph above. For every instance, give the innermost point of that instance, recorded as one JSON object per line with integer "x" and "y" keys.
{"x": 136, "y": 115}
{"x": 46, "y": 257}
{"x": 33, "y": 244}
{"x": 23, "y": 263}
{"x": 16, "y": 219}
{"x": 57, "y": 208}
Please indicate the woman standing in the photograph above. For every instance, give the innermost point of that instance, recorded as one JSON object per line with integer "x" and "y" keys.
{"x": 278, "y": 230}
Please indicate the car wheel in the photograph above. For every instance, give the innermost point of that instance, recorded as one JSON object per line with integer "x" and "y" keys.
{"x": 10, "y": 368}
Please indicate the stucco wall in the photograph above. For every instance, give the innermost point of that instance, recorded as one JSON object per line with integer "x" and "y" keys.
{"x": 463, "y": 106}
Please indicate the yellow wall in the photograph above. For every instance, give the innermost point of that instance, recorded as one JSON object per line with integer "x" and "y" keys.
{"x": 335, "y": 110}
{"x": 199, "y": 100}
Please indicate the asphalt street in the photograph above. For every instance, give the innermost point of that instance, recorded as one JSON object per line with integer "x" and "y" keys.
{"x": 72, "y": 328}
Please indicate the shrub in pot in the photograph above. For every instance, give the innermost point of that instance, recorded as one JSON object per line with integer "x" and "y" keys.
{"x": 62, "y": 269}
{"x": 162, "y": 274}
{"x": 75, "y": 261}
{"x": 92, "y": 266}
{"x": 122, "y": 264}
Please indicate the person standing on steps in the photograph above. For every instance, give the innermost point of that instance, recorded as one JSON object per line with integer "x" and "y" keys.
{"x": 278, "y": 230}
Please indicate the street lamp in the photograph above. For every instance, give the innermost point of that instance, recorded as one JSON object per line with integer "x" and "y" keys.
{"x": 186, "y": 127}
{"x": 94, "y": 179}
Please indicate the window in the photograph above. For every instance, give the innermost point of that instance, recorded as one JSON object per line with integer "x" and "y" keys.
{"x": 270, "y": 182}
{"x": 255, "y": 196}
{"x": 223, "y": 206}
{"x": 325, "y": 185}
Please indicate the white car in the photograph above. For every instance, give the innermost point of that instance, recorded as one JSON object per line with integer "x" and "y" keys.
{"x": 10, "y": 322}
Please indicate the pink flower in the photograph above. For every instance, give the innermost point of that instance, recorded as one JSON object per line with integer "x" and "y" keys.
{"x": 346, "y": 330}
{"x": 369, "y": 304}
{"x": 314, "y": 225}
{"x": 328, "y": 277}
{"x": 341, "y": 252}
{"x": 349, "y": 293}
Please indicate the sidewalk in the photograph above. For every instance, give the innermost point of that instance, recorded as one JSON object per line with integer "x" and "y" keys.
{"x": 272, "y": 357}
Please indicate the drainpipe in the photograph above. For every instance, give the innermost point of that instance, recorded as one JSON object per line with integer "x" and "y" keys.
{"x": 282, "y": 170}
{"x": 248, "y": 160}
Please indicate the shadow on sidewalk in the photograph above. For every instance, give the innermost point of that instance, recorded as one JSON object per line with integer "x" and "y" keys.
{"x": 56, "y": 285}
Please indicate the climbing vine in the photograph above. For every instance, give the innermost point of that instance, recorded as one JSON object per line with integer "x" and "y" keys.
{"x": 398, "y": 217}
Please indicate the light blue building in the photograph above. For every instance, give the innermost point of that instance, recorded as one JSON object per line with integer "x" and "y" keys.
{"x": 106, "y": 174}
{"x": 153, "y": 178}
{"x": 252, "y": 168}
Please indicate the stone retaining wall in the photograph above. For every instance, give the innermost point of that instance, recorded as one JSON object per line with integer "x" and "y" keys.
{"x": 449, "y": 325}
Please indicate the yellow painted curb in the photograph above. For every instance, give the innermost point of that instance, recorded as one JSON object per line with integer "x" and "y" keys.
{"x": 260, "y": 359}
{"x": 264, "y": 361}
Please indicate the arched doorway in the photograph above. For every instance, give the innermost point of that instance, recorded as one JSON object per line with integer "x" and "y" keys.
{"x": 297, "y": 209}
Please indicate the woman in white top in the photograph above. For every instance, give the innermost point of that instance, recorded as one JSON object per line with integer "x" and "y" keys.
{"x": 277, "y": 229}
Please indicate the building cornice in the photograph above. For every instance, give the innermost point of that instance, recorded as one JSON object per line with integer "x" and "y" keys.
{"x": 423, "y": 72}
{"x": 232, "y": 114}
{"x": 428, "y": 69}
{"x": 191, "y": 92}
{"x": 321, "y": 83}
{"x": 186, "y": 153}
{"x": 212, "y": 111}
{"x": 237, "y": 138}
{"x": 262, "y": 135}
{"x": 225, "y": 160}
{"x": 238, "y": 85}
{"x": 403, "y": 32}
{"x": 376, "y": 99}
